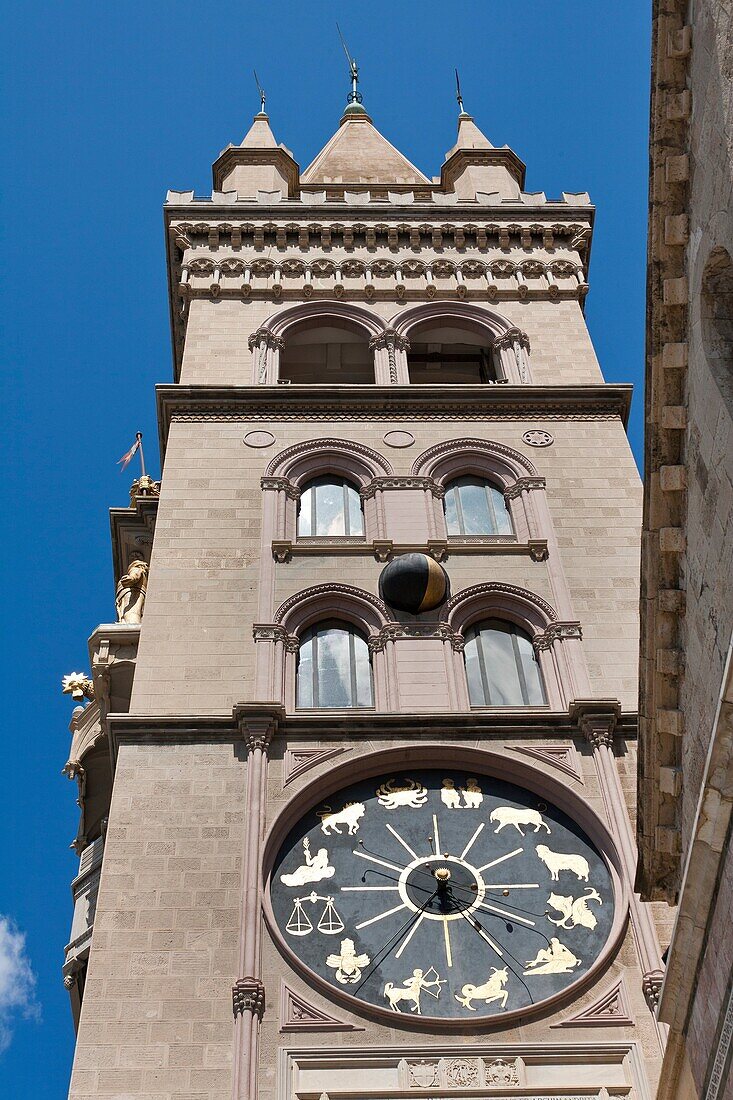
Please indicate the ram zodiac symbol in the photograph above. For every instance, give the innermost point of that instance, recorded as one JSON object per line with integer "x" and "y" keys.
{"x": 410, "y": 793}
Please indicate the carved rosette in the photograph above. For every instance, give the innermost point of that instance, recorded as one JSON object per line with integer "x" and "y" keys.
{"x": 248, "y": 995}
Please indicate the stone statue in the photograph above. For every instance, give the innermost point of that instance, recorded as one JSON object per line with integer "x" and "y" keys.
{"x": 130, "y": 594}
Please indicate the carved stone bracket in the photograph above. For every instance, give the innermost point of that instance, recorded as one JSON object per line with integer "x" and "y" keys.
{"x": 282, "y": 550}
{"x": 597, "y": 720}
{"x": 510, "y": 338}
{"x": 538, "y": 549}
{"x": 257, "y": 723}
{"x": 651, "y": 985}
{"x": 248, "y": 995}
{"x": 264, "y": 338}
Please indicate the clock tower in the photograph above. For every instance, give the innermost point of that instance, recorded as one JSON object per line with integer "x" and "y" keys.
{"x": 356, "y": 765}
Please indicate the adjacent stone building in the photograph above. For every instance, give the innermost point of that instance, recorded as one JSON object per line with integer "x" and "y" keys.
{"x": 356, "y": 770}
{"x": 686, "y": 700}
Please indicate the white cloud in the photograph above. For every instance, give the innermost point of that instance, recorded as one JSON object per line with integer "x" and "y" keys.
{"x": 17, "y": 980}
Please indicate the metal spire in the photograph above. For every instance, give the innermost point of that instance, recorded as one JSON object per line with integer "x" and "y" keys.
{"x": 459, "y": 97}
{"x": 261, "y": 90}
{"x": 354, "y": 95}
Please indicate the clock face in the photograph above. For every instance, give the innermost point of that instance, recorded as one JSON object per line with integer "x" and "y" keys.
{"x": 443, "y": 894}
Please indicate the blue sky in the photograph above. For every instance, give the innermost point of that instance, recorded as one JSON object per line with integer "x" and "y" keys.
{"x": 105, "y": 107}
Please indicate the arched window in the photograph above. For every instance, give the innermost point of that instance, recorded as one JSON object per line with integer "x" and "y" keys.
{"x": 447, "y": 353}
{"x": 330, "y": 506}
{"x": 473, "y": 506}
{"x": 325, "y": 351}
{"x": 501, "y": 667}
{"x": 333, "y": 668}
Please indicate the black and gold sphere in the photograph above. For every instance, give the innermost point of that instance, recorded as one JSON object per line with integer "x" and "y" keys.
{"x": 414, "y": 583}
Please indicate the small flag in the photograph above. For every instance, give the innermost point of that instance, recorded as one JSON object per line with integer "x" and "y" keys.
{"x": 126, "y": 459}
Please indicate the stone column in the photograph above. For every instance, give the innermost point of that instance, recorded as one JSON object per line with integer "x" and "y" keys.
{"x": 265, "y": 348}
{"x": 513, "y": 349}
{"x": 597, "y": 722}
{"x": 394, "y": 371}
{"x": 257, "y": 725}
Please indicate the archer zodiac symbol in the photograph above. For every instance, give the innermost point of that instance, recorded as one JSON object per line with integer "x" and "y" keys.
{"x": 314, "y": 869}
{"x": 413, "y": 988}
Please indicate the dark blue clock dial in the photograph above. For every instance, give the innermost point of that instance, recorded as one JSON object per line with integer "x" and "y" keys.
{"x": 442, "y": 894}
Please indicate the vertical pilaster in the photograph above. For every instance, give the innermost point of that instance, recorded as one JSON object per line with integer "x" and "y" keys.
{"x": 257, "y": 726}
{"x": 597, "y": 721}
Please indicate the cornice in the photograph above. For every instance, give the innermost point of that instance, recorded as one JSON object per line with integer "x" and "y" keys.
{"x": 310, "y": 403}
{"x": 523, "y": 722}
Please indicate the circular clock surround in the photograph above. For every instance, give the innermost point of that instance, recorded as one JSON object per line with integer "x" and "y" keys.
{"x": 493, "y": 943}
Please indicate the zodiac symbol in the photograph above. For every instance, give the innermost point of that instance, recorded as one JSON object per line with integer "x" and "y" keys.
{"x": 411, "y": 793}
{"x": 349, "y": 816}
{"x": 413, "y": 988}
{"x": 491, "y": 990}
{"x": 314, "y": 869}
{"x": 348, "y": 964}
{"x": 555, "y": 959}
{"x": 574, "y": 910}
{"x": 508, "y": 815}
{"x": 300, "y": 924}
{"x": 557, "y": 862}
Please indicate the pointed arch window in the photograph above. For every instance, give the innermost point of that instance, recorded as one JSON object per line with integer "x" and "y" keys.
{"x": 473, "y": 506}
{"x": 333, "y": 668}
{"x": 501, "y": 666}
{"x": 330, "y": 506}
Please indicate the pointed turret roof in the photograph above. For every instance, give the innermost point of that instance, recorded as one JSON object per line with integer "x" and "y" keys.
{"x": 259, "y": 135}
{"x": 357, "y": 153}
{"x": 469, "y": 136}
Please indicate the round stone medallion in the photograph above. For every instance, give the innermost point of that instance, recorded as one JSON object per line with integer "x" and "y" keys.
{"x": 538, "y": 438}
{"x": 259, "y": 439}
{"x": 399, "y": 439}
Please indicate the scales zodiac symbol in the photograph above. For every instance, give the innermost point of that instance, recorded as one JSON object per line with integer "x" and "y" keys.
{"x": 300, "y": 924}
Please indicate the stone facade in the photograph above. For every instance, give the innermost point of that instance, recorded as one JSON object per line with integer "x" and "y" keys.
{"x": 685, "y": 770}
{"x": 182, "y": 984}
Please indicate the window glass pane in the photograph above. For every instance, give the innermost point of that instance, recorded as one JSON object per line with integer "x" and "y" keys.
{"x": 531, "y": 668}
{"x": 356, "y": 524}
{"x": 451, "y": 512}
{"x": 473, "y": 673}
{"x": 503, "y": 522}
{"x": 505, "y": 688}
{"x": 363, "y": 671}
{"x": 501, "y": 667}
{"x": 304, "y": 512}
{"x": 304, "y": 693}
{"x": 333, "y": 669}
{"x": 475, "y": 508}
{"x": 330, "y": 519}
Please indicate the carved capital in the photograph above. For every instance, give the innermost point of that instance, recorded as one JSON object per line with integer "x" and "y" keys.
{"x": 280, "y": 485}
{"x": 597, "y": 720}
{"x": 524, "y": 485}
{"x": 248, "y": 995}
{"x": 556, "y": 631}
{"x": 384, "y": 484}
{"x": 269, "y": 632}
{"x": 257, "y": 723}
{"x": 390, "y": 338}
{"x": 512, "y": 338}
{"x": 263, "y": 338}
